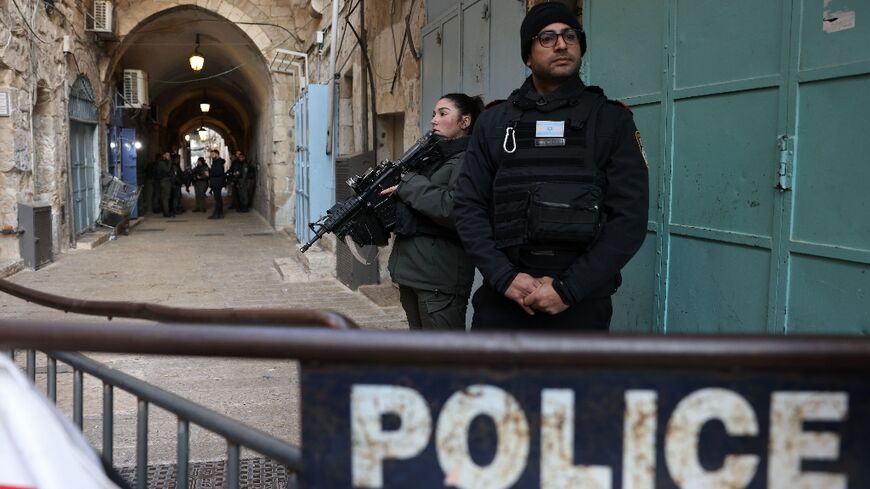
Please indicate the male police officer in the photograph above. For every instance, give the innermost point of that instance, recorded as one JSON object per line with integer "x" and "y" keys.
{"x": 552, "y": 199}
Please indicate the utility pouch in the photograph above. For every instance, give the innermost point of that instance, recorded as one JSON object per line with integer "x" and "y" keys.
{"x": 568, "y": 213}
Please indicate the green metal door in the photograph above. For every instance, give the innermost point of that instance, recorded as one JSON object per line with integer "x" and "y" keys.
{"x": 756, "y": 220}
{"x": 828, "y": 247}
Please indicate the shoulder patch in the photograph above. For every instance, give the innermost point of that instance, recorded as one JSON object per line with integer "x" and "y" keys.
{"x": 641, "y": 148}
{"x": 619, "y": 104}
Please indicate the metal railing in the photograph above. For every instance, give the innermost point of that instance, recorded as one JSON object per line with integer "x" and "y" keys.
{"x": 166, "y": 314}
{"x": 235, "y": 433}
{"x": 514, "y": 350}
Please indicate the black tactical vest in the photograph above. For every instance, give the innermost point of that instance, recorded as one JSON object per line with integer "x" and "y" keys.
{"x": 547, "y": 190}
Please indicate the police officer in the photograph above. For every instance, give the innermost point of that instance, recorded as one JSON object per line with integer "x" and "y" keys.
{"x": 177, "y": 178}
{"x": 427, "y": 262}
{"x": 233, "y": 173}
{"x": 164, "y": 174}
{"x": 552, "y": 199}
{"x": 247, "y": 175}
{"x": 217, "y": 181}
{"x": 200, "y": 184}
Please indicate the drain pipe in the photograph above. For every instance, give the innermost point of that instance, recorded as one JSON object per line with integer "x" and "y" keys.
{"x": 69, "y": 176}
{"x": 297, "y": 54}
{"x": 332, "y": 140}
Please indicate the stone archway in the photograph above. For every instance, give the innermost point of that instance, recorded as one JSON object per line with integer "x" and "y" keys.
{"x": 237, "y": 79}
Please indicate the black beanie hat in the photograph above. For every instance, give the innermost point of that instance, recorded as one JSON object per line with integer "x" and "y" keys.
{"x": 542, "y": 15}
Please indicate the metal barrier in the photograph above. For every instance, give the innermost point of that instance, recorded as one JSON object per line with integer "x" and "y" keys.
{"x": 166, "y": 314}
{"x": 235, "y": 433}
{"x": 399, "y": 409}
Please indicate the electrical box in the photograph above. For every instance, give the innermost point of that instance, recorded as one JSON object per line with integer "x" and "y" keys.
{"x": 34, "y": 221}
{"x": 348, "y": 269}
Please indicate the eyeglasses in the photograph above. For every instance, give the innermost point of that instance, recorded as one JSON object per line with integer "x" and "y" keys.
{"x": 548, "y": 38}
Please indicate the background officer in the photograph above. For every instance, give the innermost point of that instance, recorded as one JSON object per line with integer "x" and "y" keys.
{"x": 552, "y": 199}
{"x": 164, "y": 175}
{"x": 217, "y": 181}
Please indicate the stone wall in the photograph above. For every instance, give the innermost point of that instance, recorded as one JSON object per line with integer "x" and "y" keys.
{"x": 36, "y": 74}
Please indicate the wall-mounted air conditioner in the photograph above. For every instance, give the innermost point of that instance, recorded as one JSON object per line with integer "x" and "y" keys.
{"x": 135, "y": 89}
{"x": 100, "y": 20}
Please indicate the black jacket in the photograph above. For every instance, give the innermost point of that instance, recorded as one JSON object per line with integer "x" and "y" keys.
{"x": 619, "y": 158}
{"x": 217, "y": 175}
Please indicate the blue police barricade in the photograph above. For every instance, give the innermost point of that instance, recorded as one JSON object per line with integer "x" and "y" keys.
{"x": 575, "y": 411}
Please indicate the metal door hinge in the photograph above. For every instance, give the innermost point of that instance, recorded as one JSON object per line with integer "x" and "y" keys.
{"x": 785, "y": 145}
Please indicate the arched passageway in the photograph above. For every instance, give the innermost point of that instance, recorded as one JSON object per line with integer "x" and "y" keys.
{"x": 235, "y": 81}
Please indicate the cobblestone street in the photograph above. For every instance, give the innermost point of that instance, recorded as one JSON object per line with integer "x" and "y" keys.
{"x": 190, "y": 261}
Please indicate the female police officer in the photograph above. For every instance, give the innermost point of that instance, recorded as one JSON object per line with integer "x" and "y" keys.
{"x": 428, "y": 262}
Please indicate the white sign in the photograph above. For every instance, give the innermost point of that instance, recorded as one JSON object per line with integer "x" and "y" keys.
{"x": 4, "y": 104}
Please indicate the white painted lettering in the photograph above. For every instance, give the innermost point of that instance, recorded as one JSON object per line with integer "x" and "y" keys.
{"x": 557, "y": 447}
{"x": 639, "y": 439}
{"x": 451, "y": 436}
{"x": 371, "y": 445}
{"x": 684, "y": 429}
{"x": 789, "y": 443}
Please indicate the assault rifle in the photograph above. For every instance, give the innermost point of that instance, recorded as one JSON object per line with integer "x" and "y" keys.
{"x": 367, "y": 216}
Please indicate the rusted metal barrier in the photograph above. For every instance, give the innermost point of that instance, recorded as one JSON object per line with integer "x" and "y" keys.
{"x": 167, "y": 314}
{"x": 505, "y": 410}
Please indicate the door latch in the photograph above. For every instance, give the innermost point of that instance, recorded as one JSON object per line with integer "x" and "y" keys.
{"x": 785, "y": 146}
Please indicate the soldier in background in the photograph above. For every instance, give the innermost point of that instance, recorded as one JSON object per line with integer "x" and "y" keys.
{"x": 200, "y": 184}
{"x": 233, "y": 173}
{"x": 245, "y": 182}
{"x": 177, "y": 177}
{"x": 164, "y": 176}
{"x": 217, "y": 181}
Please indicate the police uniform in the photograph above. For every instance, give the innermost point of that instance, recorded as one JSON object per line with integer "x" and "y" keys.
{"x": 217, "y": 181}
{"x": 556, "y": 186}
{"x": 433, "y": 272}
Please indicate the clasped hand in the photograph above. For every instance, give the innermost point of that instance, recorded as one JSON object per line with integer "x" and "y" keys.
{"x": 535, "y": 294}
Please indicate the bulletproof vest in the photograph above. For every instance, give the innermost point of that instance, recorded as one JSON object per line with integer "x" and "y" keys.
{"x": 547, "y": 190}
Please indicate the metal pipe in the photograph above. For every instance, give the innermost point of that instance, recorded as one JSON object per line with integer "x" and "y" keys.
{"x": 31, "y": 365}
{"x": 51, "y": 381}
{"x": 332, "y": 107}
{"x": 553, "y": 350}
{"x": 142, "y": 445}
{"x": 183, "y": 455}
{"x": 108, "y": 423}
{"x": 233, "y": 466}
{"x": 224, "y": 426}
{"x": 155, "y": 312}
{"x": 70, "y": 208}
{"x": 304, "y": 57}
{"x": 77, "y": 398}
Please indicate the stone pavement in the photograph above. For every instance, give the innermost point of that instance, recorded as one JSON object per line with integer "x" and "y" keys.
{"x": 190, "y": 261}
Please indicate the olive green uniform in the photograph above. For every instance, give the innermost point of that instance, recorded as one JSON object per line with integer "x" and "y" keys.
{"x": 428, "y": 262}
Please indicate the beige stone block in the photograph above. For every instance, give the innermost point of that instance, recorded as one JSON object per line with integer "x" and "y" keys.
{"x": 280, "y": 11}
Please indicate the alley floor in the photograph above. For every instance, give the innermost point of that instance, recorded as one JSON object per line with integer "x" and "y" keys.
{"x": 190, "y": 261}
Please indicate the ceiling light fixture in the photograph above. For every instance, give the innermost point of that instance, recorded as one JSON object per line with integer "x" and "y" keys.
{"x": 203, "y": 132}
{"x": 196, "y": 59}
{"x": 204, "y": 106}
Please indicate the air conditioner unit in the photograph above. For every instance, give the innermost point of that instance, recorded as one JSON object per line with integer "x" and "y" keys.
{"x": 135, "y": 89}
{"x": 101, "y": 19}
